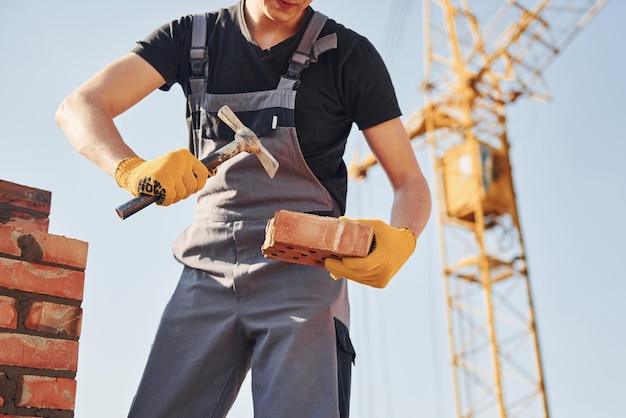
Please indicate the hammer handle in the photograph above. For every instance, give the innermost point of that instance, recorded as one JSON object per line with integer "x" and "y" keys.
{"x": 135, "y": 205}
{"x": 211, "y": 161}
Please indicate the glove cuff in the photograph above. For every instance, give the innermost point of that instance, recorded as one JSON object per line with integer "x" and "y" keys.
{"x": 406, "y": 228}
{"x": 124, "y": 168}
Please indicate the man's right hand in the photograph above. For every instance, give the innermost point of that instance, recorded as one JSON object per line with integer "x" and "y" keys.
{"x": 173, "y": 176}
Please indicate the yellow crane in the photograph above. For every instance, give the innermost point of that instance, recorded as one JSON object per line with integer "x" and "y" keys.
{"x": 473, "y": 72}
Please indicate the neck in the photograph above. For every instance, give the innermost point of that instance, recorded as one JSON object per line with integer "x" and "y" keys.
{"x": 269, "y": 28}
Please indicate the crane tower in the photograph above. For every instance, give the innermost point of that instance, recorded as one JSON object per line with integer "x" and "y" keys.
{"x": 473, "y": 72}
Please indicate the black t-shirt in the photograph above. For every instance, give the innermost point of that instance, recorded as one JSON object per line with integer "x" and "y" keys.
{"x": 349, "y": 84}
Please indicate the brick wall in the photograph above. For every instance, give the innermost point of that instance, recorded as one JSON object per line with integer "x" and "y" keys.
{"x": 41, "y": 290}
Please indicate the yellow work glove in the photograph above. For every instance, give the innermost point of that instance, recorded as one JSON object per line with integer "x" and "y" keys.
{"x": 173, "y": 176}
{"x": 391, "y": 248}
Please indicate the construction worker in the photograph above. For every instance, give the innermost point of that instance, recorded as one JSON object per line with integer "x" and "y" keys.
{"x": 299, "y": 81}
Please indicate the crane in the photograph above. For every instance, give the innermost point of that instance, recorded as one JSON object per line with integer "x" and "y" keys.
{"x": 473, "y": 72}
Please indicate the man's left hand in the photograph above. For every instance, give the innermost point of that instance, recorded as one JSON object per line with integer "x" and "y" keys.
{"x": 391, "y": 248}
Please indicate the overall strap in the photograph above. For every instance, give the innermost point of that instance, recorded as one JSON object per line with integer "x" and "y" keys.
{"x": 199, "y": 54}
{"x": 308, "y": 51}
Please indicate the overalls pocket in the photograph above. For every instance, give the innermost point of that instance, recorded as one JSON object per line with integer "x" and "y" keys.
{"x": 345, "y": 360}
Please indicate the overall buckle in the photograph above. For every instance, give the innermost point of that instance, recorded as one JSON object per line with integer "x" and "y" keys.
{"x": 198, "y": 57}
{"x": 298, "y": 62}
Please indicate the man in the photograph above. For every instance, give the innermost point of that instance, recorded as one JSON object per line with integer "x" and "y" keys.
{"x": 234, "y": 310}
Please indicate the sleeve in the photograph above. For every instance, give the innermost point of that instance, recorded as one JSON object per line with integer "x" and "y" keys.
{"x": 369, "y": 91}
{"x": 165, "y": 48}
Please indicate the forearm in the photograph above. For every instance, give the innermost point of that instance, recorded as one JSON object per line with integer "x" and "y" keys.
{"x": 91, "y": 131}
{"x": 86, "y": 115}
{"x": 390, "y": 144}
{"x": 412, "y": 204}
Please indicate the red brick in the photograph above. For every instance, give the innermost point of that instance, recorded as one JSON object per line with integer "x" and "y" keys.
{"x": 8, "y": 240}
{"x": 31, "y": 199}
{"x": 15, "y": 416}
{"x": 54, "y": 318}
{"x": 37, "y": 278}
{"x": 22, "y": 350}
{"x": 308, "y": 239}
{"x": 62, "y": 250}
{"x": 43, "y": 247}
{"x": 8, "y": 313}
{"x": 27, "y": 222}
{"x": 24, "y": 207}
{"x": 47, "y": 392}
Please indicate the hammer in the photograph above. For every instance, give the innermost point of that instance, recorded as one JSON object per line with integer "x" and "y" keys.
{"x": 245, "y": 140}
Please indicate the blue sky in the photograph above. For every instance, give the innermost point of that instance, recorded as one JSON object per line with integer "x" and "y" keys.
{"x": 567, "y": 156}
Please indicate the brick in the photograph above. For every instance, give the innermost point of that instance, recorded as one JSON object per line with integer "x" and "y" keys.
{"x": 8, "y": 240}
{"x": 37, "y": 278}
{"x": 308, "y": 239}
{"x": 47, "y": 392}
{"x": 24, "y": 207}
{"x": 26, "y": 222}
{"x": 8, "y": 313}
{"x": 54, "y": 318}
{"x": 43, "y": 247}
{"x": 24, "y": 197}
{"x": 22, "y": 350}
{"x": 62, "y": 250}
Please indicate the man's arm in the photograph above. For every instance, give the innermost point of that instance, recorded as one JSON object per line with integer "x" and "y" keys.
{"x": 86, "y": 115}
{"x": 394, "y": 242}
{"x": 390, "y": 144}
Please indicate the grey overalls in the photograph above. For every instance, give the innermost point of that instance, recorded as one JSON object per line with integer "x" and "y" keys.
{"x": 233, "y": 309}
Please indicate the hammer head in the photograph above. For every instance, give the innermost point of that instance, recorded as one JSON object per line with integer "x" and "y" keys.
{"x": 248, "y": 140}
{"x": 252, "y": 144}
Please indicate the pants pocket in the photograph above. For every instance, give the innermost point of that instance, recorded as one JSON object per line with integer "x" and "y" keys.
{"x": 345, "y": 360}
